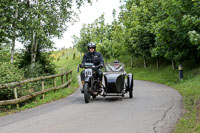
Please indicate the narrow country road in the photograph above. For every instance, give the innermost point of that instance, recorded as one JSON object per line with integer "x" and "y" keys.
{"x": 154, "y": 108}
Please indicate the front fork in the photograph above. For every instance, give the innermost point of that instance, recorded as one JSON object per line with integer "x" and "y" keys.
{"x": 95, "y": 85}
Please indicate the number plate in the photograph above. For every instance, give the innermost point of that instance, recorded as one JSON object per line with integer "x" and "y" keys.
{"x": 88, "y": 72}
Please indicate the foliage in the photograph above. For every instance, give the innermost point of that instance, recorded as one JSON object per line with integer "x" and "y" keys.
{"x": 35, "y": 23}
{"x": 4, "y": 53}
{"x": 106, "y": 36}
{"x": 168, "y": 29}
{"x": 37, "y": 72}
{"x": 9, "y": 73}
{"x": 82, "y": 42}
{"x": 43, "y": 66}
{"x": 61, "y": 65}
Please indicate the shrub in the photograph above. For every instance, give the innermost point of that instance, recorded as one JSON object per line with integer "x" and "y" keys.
{"x": 36, "y": 71}
{"x": 4, "y": 53}
{"x": 43, "y": 65}
{"x": 9, "y": 73}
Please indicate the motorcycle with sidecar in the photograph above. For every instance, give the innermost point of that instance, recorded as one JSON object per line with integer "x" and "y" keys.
{"x": 116, "y": 82}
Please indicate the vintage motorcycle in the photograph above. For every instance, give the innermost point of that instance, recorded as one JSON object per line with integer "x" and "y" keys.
{"x": 91, "y": 83}
{"x": 115, "y": 82}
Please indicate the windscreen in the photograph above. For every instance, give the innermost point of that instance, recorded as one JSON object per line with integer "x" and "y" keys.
{"x": 114, "y": 67}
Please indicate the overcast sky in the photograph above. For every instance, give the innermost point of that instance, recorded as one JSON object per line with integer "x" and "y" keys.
{"x": 88, "y": 14}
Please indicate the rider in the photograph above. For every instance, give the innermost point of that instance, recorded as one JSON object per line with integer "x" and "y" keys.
{"x": 93, "y": 57}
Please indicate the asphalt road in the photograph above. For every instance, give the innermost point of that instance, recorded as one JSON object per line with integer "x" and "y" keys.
{"x": 154, "y": 108}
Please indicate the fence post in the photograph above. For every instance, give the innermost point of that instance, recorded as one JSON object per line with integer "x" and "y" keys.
{"x": 15, "y": 94}
{"x": 42, "y": 87}
{"x": 67, "y": 78}
{"x": 54, "y": 83}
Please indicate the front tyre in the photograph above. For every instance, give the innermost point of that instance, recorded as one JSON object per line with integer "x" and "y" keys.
{"x": 86, "y": 93}
{"x": 93, "y": 96}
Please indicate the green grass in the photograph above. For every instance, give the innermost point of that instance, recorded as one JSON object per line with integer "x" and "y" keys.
{"x": 189, "y": 88}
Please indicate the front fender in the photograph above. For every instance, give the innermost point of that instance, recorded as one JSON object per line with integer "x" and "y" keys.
{"x": 88, "y": 79}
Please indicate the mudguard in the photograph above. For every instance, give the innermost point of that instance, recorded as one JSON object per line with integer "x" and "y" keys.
{"x": 87, "y": 79}
{"x": 130, "y": 81}
{"x": 114, "y": 82}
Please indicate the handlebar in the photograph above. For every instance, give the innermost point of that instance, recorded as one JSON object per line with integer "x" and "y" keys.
{"x": 90, "y": 66}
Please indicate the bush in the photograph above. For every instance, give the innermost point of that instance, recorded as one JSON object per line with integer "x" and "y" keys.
{"x": 4, "y": 53}
{"x": 9, "y": 73}
{"x": 43, "y": 65}
{"x": 36, "y": 71}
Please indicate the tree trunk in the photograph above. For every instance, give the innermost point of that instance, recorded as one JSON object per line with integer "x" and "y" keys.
{"x": 145, "y": 62}
{"x": 35, "y": 40}
{"x": 33, "y": 50}
{"x": 157, "y": 62}
{"x": 14, "y": 35}
{"x": 196, "y": 57}
{"x": 173, "y": 65}
{"x": 32, "y": 47}
{"x": 13, "y": 47}
{"x": 131, "y": 61}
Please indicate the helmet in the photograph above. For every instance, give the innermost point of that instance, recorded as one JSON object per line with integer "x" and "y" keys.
{"x": 91, "y": 45}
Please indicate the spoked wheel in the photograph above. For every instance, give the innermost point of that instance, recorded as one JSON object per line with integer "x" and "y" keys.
{"x": 86, "y": 93}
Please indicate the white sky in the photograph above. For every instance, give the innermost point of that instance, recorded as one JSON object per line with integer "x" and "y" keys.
{"x": 88, "y": 14}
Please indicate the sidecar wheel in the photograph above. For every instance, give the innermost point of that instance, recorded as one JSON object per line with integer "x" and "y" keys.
{"x": 93, "y": 96}
{"x": 130, "y": 93}
{"x": 86, "y": 93}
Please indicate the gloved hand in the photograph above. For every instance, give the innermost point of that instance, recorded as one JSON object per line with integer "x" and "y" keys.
{"x": 101, "y": 65}
{"x": 81, "y": 65}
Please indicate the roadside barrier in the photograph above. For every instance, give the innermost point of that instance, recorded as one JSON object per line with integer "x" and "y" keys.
{"x": 67, "y": 75}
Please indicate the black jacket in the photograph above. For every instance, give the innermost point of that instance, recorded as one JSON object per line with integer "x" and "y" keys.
{"x": 94, "y": 57}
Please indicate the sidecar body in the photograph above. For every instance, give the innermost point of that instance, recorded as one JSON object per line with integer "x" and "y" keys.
{"x": 117, "y": 82}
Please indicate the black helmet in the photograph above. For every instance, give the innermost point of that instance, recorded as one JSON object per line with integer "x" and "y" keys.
{"x": 91, "y": 45}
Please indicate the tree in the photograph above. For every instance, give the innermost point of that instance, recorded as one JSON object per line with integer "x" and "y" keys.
{"x": 85, "y": 38}
{"x": 135, "y": 16}
{"x": 35, "y": 22}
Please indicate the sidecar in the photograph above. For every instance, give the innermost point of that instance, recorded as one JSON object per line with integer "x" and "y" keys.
{"x": 116, "y": 81}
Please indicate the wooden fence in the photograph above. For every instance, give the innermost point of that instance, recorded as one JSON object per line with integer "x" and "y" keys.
{"x": 67, "y": 75}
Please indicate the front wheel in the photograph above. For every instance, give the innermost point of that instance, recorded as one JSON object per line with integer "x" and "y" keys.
{"x": 93, "y": 96}
{"x": 86, "y": 93}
